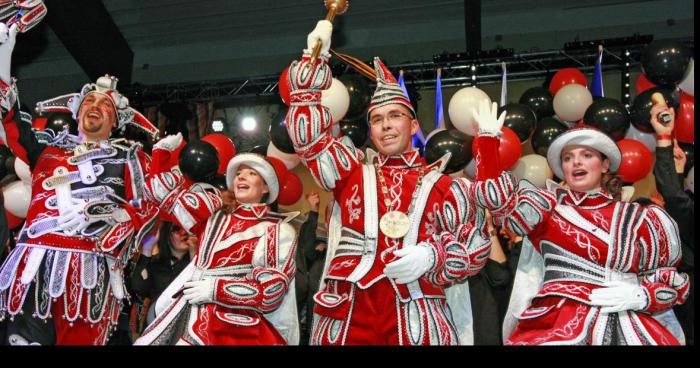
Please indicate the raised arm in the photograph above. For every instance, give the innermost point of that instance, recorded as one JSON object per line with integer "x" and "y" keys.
{"x": 180, "y": 201}
{"x": 329, "y": 159}
{"x": 521, "y": 208}
{"x": 16, "y": 133}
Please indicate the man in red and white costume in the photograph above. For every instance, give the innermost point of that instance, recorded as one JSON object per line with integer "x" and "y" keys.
{"x": 607, "y": 272}
{"x": 85, "y": 219}
{"x": 386, "y": 275}
{"x": 238, "y": 289}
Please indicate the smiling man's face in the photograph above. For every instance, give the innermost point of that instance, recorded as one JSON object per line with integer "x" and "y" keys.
{"x": 97, "y": 116}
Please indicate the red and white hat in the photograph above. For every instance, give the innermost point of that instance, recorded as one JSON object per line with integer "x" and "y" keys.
{"x": 269, "y": 172}
{"x": 588, "y": 137}
{"x": 388, "y": 90}
{"x": 106, "y": 85}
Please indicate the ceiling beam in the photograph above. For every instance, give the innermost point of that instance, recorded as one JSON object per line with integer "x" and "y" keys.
{"x": 87, "y": 30}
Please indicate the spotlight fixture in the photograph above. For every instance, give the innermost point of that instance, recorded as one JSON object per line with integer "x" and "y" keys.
{"x": 249, "y": 124}
{"x": 217, "y": 125}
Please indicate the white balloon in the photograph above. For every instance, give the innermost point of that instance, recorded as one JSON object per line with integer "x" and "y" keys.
{"x": 290, "y": 160}
{"x": 690, "y": 180}
{"x": 22, "y": 171}
{"x": 533, "y": 168}
{"x": 687, "y": 85}
{"x": 571, "y": 101}
{"x": 648, "y": 139}
{"x": 461, "y": 105}
{"x": 470, "y": 170}
{"x": 337, "y": 99}
{"x": 17, "y": 197}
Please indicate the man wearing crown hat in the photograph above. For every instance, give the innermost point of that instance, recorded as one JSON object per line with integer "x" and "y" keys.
{"x": 403, "y": 231}
{"x": 86, "y": 217}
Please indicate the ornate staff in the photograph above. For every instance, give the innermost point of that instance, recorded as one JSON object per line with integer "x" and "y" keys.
{"x": 335, "y": 7}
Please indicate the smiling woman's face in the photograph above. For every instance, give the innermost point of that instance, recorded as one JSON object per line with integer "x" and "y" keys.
{"x": 249, "y": 186}
{"x": 583, "y": 167}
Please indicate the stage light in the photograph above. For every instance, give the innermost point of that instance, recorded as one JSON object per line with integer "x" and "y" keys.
{"x": 249, "y": 124}
{"x": 217, "y": 125}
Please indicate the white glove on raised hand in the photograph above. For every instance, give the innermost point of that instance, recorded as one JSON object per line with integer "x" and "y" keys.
{"x": 8, "y": 38}
{"x": 619, "y": 296}
{"x": 322, "y": 32}
{"x": 169, "y": 143}
{"x": 487, "y": 118}
{"x": 199, "y": 291}
{"x": 415, "y": 261}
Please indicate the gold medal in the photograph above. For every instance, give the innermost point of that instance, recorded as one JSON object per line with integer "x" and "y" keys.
{"x": 394, "y": 224}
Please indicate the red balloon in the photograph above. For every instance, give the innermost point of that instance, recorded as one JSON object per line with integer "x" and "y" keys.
{"x": 292, "y": 190}
{"x": 280, "y": 170}
{"x": 509, "y": 149}
{"x": 643, "y": 84}
{"x": 13, "y": 221}
{"x": 565, "y": 77}
{"x": 224, "y": 148}
{"x": 637, "y": 160}
{"x": 284, "y": 86}
{"x": 684, "y": 128}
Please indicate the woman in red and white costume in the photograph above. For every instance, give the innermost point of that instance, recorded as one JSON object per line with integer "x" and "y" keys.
{"x": 236, "y": 291}
{"x": 609, "y": 267}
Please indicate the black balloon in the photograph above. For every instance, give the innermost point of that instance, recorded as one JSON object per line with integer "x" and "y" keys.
{"x": 357, "y": 129}
{"x": 219, "y": 181}
{"x": 689, "y": 150}
{"x": 665, "y": 62}
{"x": 454, "y": 142}
{"x": 58, "y": 121}
{"x": 640, "y": 112}
{"x": 540, "y": 100}
{"x": 608, "y": 115}
{"x": 547, "y": 130}
{"x": 5, "y": 156}
{"x": 278, "y": 131}
{"x": 520, "y": 119}
{"x": 360, "y": 94}
{"x": 198, "y": 161}
{"x": 261, "y": 150}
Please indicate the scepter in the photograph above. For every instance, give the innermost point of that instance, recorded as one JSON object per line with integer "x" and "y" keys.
{"x": 335, "y": 7}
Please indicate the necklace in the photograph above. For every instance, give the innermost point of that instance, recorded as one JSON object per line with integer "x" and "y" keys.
{"x": 395, "y": 224}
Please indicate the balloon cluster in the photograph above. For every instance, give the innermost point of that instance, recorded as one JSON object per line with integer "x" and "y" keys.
{"x": 667, "y": 67}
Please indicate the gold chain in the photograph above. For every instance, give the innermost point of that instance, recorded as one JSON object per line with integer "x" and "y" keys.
{"x": 385, "y": 190}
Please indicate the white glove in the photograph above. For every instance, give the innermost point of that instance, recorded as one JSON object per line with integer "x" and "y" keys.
{"x": 169, "y": 143}
{"x": 414, "y": 262}
{"x": 75, "y": 220}
{"x": 199, "y": 291}
{"x": 322, "y": 32}
{"x": 488, "y": 120}
{"x": 8, "y": 38}
{"x": 618, "y": 296}
{"x": 83, "y": 214}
